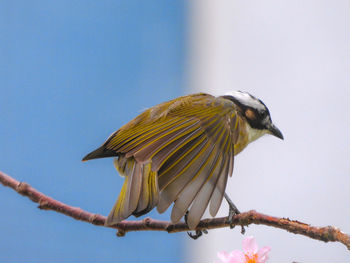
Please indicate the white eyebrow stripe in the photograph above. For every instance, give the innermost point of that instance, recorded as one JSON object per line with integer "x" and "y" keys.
{"x": 247, "y": 99}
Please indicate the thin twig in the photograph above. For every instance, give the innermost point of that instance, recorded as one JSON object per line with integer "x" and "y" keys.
{"x": 325, "y": 234}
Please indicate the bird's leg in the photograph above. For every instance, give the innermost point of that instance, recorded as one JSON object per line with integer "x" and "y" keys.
{"x": 198, "y": 233}
{"x": 233, "y": 211}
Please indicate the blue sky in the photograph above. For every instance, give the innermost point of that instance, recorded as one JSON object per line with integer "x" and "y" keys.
{"x": 72, "y": 72}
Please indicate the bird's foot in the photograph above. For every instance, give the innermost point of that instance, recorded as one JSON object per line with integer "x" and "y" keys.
{"x": 232, "y": 212}
{"x": 198, "y": 233}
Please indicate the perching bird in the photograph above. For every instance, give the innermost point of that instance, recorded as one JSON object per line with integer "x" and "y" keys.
{"x": 182, "y": 152}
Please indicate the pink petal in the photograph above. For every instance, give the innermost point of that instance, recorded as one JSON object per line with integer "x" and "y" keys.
{"x": 237, "y": 256}
{"x": 223, "y": 256}
{"x": 250, "y": 246}
{"x": 263, "y": 254}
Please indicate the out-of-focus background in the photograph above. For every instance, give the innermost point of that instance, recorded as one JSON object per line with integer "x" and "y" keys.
{"x": 295, "y": 56}
{"x": 72, "y": 72}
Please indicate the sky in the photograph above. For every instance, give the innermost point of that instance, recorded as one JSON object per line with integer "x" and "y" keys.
{"x": 72, "y": 72}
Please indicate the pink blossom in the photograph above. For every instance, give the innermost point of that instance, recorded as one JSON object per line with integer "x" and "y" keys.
{"x": 250, "y": 253}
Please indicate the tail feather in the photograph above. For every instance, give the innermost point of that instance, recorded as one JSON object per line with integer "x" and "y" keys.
{"x": 139, "y": 193}
{"x": 149, "y": 192}
{"x": 101, "y": 152}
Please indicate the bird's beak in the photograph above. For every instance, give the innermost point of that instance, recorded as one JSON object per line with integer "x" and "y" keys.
{"x": 275, "y": 131}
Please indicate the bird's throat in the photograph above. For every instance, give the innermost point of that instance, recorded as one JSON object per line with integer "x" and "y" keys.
{"x": 247, "y": 134}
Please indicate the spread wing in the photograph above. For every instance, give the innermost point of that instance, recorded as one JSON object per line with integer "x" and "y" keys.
{"x": 189, "y": 143}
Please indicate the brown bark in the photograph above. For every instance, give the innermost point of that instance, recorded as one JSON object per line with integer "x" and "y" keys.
{"x": 326, "y": 234}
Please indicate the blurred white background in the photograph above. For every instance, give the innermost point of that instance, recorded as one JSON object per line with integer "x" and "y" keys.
{"x": 295, "y": 56}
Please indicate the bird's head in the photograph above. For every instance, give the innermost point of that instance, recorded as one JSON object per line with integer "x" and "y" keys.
{"x": 255, "y": 112}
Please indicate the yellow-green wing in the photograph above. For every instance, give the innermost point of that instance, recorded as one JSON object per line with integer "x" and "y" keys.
{"x": 189, "y": 143}
{"x": 197, "y": 172}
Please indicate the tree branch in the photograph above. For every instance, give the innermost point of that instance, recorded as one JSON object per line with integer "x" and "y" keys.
{"x": 325, "y": 234}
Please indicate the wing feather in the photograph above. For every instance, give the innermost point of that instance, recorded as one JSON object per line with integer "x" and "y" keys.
{"x": 133, "y": 191}
{"x": 218, "y": 194}
{"x": 144, "y": 192}
{"x": 181, "y": 151}
{"x": 140, "y": 131}
{"x": 202, "y": 199}
{"x": 152, "y": 148}
{"x": 187, "y": 195}
{"x": 180, "y": 161}
{"x": 176, "y": 181}
{"x": 164, "y": 154}
{"x": 149, "y": 137}
{"x": 204, "y": 182}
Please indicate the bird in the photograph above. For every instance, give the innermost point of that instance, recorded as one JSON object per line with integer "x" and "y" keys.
{"x": 181, "y": 152}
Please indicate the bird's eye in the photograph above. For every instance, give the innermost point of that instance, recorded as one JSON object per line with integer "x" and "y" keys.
{"x": 262, "y": 114}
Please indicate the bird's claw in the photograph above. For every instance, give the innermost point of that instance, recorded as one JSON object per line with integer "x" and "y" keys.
{"x": 231, "y": 214}
{"x": 198, "y": 233}
{"x": 230, "y": 221}
{"x": 242, "y": 230}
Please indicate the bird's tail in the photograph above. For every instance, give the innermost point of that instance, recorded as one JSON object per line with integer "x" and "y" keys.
{"x": 139, "y": 193}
